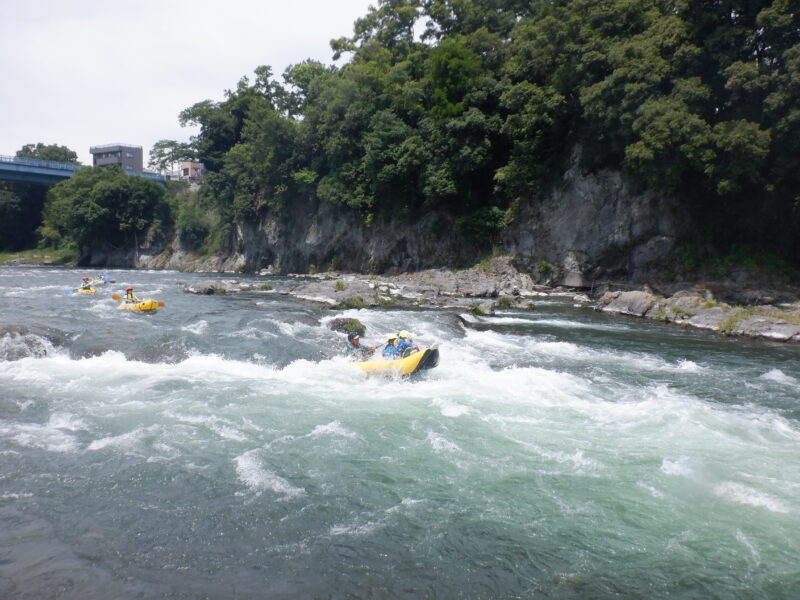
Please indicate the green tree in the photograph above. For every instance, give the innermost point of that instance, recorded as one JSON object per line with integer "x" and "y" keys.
{"x": 104, "y": 208}
{"x": 165, "y": 153}
{"x": 48, "y": 152}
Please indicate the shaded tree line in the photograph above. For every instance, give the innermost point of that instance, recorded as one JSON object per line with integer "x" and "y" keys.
{"x": 98, "y": 208}
{"x": 21, "y": 204}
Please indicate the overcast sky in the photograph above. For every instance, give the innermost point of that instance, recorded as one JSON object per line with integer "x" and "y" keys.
{"x": 82, "y": 73}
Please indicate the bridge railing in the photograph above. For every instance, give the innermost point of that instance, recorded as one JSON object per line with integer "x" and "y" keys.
{"x": 52, "y": 164}
{"x": 37, "y": 162}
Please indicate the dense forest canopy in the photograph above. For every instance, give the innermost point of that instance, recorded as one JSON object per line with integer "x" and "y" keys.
{"x": 698, "y": 99}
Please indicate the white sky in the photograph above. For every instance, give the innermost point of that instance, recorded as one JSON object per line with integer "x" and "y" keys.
{"x": 82, "y": 73}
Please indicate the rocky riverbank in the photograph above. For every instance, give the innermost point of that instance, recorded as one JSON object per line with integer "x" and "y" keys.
{"x": 498, "y": 285}
{"x": 699, "y": 308}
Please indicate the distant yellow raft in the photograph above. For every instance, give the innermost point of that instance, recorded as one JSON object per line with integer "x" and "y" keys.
{"x": 85, "y": 291}
{"x": 410, "y": 365}
{"x": 141, "y": 305}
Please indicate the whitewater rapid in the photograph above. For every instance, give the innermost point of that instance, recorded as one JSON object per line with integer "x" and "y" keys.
{"x": 221, "y": 448}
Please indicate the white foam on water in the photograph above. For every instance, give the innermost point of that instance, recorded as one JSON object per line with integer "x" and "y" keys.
{"x": 439, "y": 443}
{"x": 129, "y": 441}
{"x": 743, "y": 494}
{"x": 745, "y": 541}
{"x": 198, "y": 328}
{"x": 356, "y": 529}
{"x": 778, "y": 376}
{"x": 37, "y": 290}
{"x": 507, "y": 321}
{"x": 576, "y": 459}
{"x": 609, "y": 358}
{"x": 653, "y": 491}
{"x": 15, "y": 345}
{"x": 373, "y": 522}
{"x": 252, "y": 473}
{"x": 551, "y": 322}
{"x": 228, "y": 433}
{"x": 15, "y": 496}
{"x": 689, "y": 366}
{"x": 479, "y": 342}
{"x": 450, "y": 408}
{"x": 334, "y": 428}
{"x": 50, "y": 436}
{"x": 683, "y": 466}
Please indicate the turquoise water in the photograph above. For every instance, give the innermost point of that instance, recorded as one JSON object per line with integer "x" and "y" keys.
{"x": 219, "y": 449}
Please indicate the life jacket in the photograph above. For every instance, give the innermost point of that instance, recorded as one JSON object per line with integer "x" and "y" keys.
{"x": 391, "y": 352}
{"x": 403, "y": 343}
{"x": 357, "y": 352}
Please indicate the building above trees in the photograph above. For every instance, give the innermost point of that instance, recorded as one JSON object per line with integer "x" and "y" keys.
{"x": 128, "y": 158}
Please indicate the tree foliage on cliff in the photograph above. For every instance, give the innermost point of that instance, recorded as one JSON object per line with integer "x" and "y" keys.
{"x": 695, "y": 99}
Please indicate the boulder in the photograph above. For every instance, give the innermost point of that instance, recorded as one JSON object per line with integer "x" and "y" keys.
{"x": 344, "y": 325}
{"x": 767, "y": 327}
{"x": 627, "y": 303}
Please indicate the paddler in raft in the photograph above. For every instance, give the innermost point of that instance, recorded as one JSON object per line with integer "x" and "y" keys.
{"x": 390, "y": 352}
{"x": 129, "y": 295}
{"x": 354, "y": 349}
{"x": 405, "y": 345}
{"x": 86, "y": 285}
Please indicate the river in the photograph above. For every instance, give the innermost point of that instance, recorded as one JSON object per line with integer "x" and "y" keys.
{"x": 220, "y": 449}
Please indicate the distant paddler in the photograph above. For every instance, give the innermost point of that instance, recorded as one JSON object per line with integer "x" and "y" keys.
{"x": 101, "y": 279}
{"x": 131, "y": 302}
{"x": 85, "y": 288}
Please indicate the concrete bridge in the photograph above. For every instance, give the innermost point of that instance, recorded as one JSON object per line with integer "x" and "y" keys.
{"x": 48, "y": 172}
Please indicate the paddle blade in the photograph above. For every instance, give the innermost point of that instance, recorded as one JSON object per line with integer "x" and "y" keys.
{"x": 68, "y": 292}
{"x": 161, "y": 304}
{"x": 106, "y": 277}
{"x": 116, "y": 296}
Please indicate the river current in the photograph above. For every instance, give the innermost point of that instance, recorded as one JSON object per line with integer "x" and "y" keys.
{"x": 220, "y": 449}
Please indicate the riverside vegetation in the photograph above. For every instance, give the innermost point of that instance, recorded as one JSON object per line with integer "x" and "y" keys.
{"x": 594, "y": 141}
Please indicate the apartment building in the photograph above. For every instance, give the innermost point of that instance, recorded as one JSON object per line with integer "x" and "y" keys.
{"x": 129, "y": 158}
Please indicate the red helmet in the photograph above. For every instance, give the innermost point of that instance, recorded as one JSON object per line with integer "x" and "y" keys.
{"x": 129, "y": 289}
{"x": 86, "y": 279}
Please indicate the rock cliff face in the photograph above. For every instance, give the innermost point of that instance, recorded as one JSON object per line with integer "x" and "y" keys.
{"x": 592, "y": 227}
{"x": 595, "y": 227}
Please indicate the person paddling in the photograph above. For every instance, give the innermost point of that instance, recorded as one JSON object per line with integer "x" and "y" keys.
{"x": 390, "y": 352}
{"x": 129, "y": 295}
{"x": 86, "y": 285}
{"x": 354, "y": 349}
{"x": 405, "y": 345}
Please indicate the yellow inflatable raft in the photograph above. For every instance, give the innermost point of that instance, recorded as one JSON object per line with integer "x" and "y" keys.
{"x": 410, "y": 365}
{"x": 141, "y": 305}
